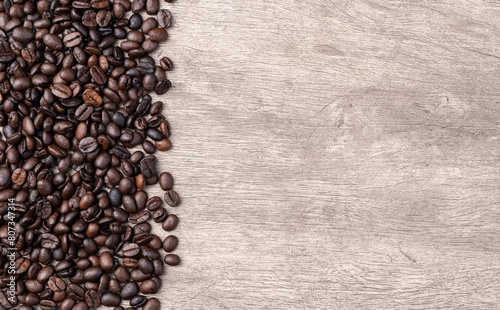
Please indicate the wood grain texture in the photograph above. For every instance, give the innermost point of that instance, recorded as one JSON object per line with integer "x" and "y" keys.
{"x": 335, "y": 154}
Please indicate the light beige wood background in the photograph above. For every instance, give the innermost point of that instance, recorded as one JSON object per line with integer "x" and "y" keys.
{"x": 335, "y": 154}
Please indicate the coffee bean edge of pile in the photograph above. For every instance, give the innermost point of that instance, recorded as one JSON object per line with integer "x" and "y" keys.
{"x": 80, "y": 130}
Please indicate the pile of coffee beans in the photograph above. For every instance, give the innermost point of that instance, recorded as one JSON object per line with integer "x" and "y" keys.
{"x": 79, "y": 132}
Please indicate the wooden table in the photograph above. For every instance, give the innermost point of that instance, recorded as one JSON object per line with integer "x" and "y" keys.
{"x": 335, "y": 154}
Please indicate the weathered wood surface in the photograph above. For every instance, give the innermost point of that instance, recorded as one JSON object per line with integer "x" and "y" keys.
{"x": 335, "y": 154}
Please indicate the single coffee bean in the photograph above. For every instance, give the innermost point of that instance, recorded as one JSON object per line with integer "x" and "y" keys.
{"x": 170, "y": 243}
{"x": 164, "y": 19}
{"x": 170, "y": 222}
{"x": 138, "y": 301}
{"x": 131, "y": 249}
{"x": 92, "y": 97}
{"x": 172, "y": 198}
{"x": 110, "y": 299}
{"x": 172, "y": 260}
{"x": 166, "y": 181}
{"x": 152, "y": 304}
{"x": 129, "y": 290}
{"x": 61, "y": 91}
{"x": 92, "y": 299}
{"x": 73, "y": 39}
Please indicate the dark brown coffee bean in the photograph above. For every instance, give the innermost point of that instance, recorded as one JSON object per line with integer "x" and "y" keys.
{"x": 159, "y": 215}
{"x": 75, "y": 292}
{"x": 129, "y": 290}
{"x": 140, "y": 217}
{"x": 158, "y": 35}
{"x": 152, "y": 6}
{"x": 164, "y": 19}
{"x": 138, "y": 301}
{"x": 56, "y": 284}
{"x": 152, "y": 304}
{"x": 131, "y": 249}
{"x": 92, "y": 97}
{"x": 73, "y": 39}
{"x": 92, "y": 299}
{"x": 28, "y": 54}
{"x": 53, "y": 42}
{"x": 148, "y": 287}
{"x": 170, "y": 243}
{"x": 61, "y": 91}
{"x": 166, "y": 181}
{"x": 98, "y": 75}
{"x": 170, "y": 222}
{"x": 23, "y": 34}
{"x": 172, "y": 198}
{"x": 88, "y": 145}
{"x": 103, "y": 17}
{"x": 148, "y": 166}
{"x": 172, "y": 260}
{"x": 110, "y": 300}
{"x": 122, "y": 274}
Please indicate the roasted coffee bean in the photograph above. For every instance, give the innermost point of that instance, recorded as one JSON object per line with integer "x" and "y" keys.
{"x": 110, "y": 300}
{"x": 92, "y": 299}
{"x": 61, "y": 91}
{"x": 75, "y": 292}
{"x": 172, "y": 260}
{"x": 164, "y": 19}
{"x": 152, "y": 304}
{"x": 88, "y": 145}
{"x": 129, "y": 290}
{"x": 159, "y": 215}
{"x": 73, "y": 39}
{"x": 170, "y": 243}
{"x": 53, "y": 42}
{"x": 166, "y": 181}
{"x": 131, "y": 249}
{"x": 170, "y": 223}
{"x": 172, "y": 198}
{"x": 92, "y": 97}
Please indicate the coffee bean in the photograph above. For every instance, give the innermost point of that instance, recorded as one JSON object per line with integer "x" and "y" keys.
{"x": 62, "y": 91}
{"x": 92, "y": 97}
{"x": 110, "y": 300}
{"x": 73, "y": 39}
{"x": 170, "y": 222}
{"x": 148, "y": 166}
{"x": 159, "y": 215}
{"x": 172, "y": 198}
{"x": 53, "y": 42}
{"x": 140, "y": 217}
{"x": 138, "y": 301}
{"x": 158, "y": 35}
{"x": 170, "y": 243}
{"x": 98, "y": 75}
{"x": 75, "y": 292}
{"x": 166, "y": 181}
{"x": 172, "y": 260}
{"x": 163, "y": 145}
{"x": 129, "y": 290}
{"x": 56, "y": 284}
{"x": 92, "y": 299}
{"x": 152, "y": 304}
{"x": 131, "y": 249}
{"x": 164, "y": 20}
{"x": 122, "y": 274}
{"x": 92, "y": 273}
